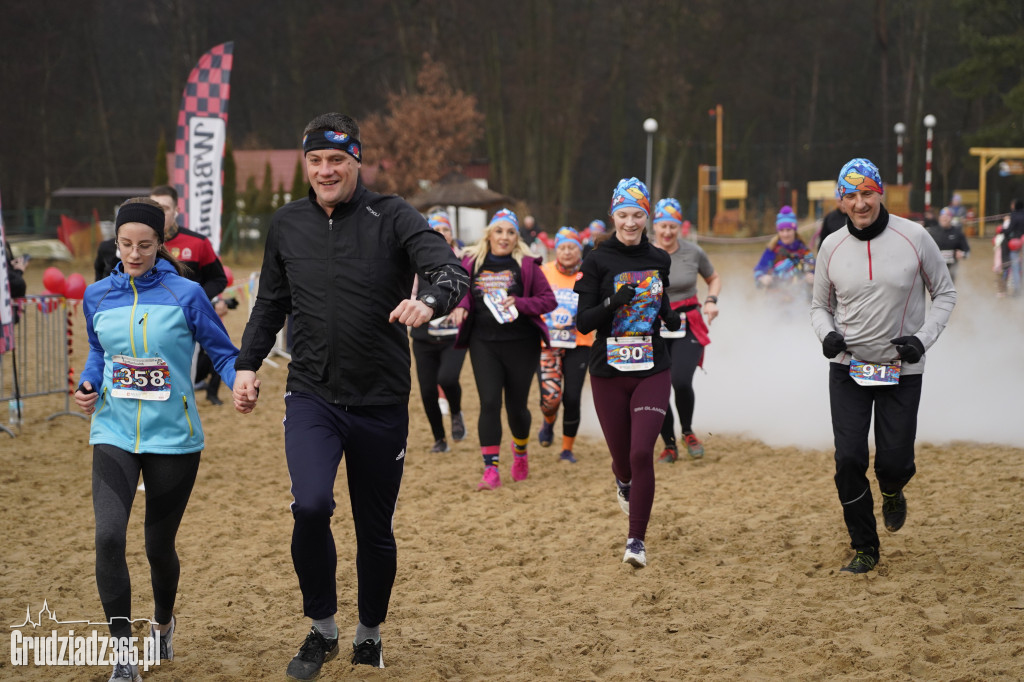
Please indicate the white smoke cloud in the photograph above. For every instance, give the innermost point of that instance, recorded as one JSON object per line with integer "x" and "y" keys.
{"x": 765, "y": 376}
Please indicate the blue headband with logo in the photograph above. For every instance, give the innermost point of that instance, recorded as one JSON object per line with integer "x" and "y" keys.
{"x": 332, "y": 139}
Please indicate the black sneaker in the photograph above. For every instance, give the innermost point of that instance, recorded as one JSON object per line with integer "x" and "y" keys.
{"x": 368, "y": 653}
{"x": 213, "y": 399}
{"x": 313, "y": 653}
{"x": 862, "y": 563}
{"x": 894, "y": 510}
{"x": 440, "y": 445}
{"x": 458, "y": 427}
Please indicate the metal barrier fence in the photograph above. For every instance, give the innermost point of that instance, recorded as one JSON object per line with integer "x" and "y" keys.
{"x": 41, "y": 359}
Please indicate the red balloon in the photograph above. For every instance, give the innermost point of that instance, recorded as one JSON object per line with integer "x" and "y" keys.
{"x": 231, "y": 275}
{"x": 53, "y": 280}
{"x": 75, "y": 288}
{"x": 1014, "y": 244}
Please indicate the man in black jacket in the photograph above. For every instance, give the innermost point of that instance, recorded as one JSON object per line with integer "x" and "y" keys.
{"x": 951, "y": 240}
{"x": 342, "y": 261}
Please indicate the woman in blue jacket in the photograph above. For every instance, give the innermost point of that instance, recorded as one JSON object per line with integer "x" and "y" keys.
{"x": 143, "y": 323}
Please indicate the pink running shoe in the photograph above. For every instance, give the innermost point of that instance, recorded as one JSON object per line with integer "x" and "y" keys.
{"x": 491, "y": 479}
{"x": 520, "y": 467}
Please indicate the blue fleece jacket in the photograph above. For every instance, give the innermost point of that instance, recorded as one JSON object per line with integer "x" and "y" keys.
{"x": 159, "y": 315}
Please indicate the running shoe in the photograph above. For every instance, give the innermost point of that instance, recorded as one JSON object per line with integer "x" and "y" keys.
{"x": 894, "y": 510}
{"x": 166, "y": 644}
{"x": 126, "y": 672}
{"x": 368, "y": 653}
{"x": 213, "y": 399}
{"x": 567, "y": 456}
{"x": 694, "y": 447}
{"x": 520, "y": 467}
{"x": 458, "y": 427}
{"x": 636, "y": 553}
{"x": 440, "y": 445}
{"x": 313, "y": 653}
{"x": 622, "y": 495}
{"x": 862, "y": 563}
{"x": 670, "y": 454}
{"x": 491, "y": 479}
{"x": 546, "y": 434}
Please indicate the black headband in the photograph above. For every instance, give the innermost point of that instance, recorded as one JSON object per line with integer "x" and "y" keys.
{"x": 332, "y": 139}
{"x": 141, "y": 213}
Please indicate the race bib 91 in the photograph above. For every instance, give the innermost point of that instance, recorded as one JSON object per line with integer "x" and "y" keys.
{"x": 870, "y": 374}
{"x": 630, "y": 353}
{"x": 141, "y": 378}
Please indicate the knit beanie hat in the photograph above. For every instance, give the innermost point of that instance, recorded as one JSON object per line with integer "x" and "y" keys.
{"x": 786, "y": 219}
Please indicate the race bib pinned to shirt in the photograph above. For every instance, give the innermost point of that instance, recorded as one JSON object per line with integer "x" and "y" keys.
{"x": 141, "y": 378}
{"x": 630, "y": 353}
{"x": 874, "y": 374}
{"x": 561, "y": 321}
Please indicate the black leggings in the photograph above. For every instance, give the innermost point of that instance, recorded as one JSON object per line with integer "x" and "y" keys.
{"x": 686, "y": 354}
{"x": 115, "y": 478}
{"x": 508, "y": 366}
{"x": 438, "y": 364}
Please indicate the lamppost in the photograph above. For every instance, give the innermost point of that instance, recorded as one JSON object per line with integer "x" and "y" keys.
{"x": 929, "y": 123}
{"x": 899, "y": 129}
{"x": 650, "y": 127}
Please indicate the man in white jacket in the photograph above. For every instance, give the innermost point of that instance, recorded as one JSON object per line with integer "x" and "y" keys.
{"x": 871, "y": 316}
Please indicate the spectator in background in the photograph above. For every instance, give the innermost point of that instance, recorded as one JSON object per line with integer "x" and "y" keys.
{"x": 15, "y": 272}
{"x": 1010, "y": 239}
{"x": 107, "y": 258}
{"x": 951, "y": 240}
{"x": 196, "y": 253}
{"x": 833, "y": 221}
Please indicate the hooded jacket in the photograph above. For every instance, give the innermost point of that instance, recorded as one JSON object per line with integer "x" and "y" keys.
{"x": 159, "y": 315}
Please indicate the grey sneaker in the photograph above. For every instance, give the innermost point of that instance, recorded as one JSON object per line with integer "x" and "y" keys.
{"x": 313, "y": 653}
{"x": 166, "y": 641}
{"x": 368, "y": 653}
{"x": 126, "y": 672}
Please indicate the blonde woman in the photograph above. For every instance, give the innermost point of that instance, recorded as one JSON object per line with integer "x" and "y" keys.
{"x": 500, "y": 322}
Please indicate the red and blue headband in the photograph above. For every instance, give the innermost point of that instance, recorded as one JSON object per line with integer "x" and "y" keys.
{"x": 332, "y": 139}
{"x": 668, "y": 210}
{"x": 859, "y": 175}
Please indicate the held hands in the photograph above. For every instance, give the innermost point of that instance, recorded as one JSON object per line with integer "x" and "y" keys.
{"x": 909, "y": 348}
{"x": 833, "y": 345}
{"x": 621, "y": 297}
{"x": 412, "y": 313}
{"x": 245, "y": 391}
{"x": 86, "y": 397}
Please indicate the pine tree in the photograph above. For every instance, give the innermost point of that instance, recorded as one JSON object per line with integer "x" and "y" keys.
{"x": 160, "y": 176}
{"x": 299, "y": 186}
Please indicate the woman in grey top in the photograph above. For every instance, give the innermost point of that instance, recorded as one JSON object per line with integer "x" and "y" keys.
{"x": 686, "y": 346}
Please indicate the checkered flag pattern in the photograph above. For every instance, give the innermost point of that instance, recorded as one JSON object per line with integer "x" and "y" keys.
{"x": 206, "y": 94}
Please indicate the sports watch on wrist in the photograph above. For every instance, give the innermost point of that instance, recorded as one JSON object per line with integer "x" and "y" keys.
{"x": 429, "y": 300}
{"x": 711, "y": 299}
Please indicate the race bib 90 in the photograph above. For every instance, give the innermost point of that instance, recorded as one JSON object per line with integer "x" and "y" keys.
{"x": 141, "y": 378}
{"x": 630, "y": 353}
{"x": 870, "y": 374}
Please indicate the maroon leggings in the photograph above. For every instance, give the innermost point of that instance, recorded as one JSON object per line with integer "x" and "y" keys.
{"x": 631, "y": 411}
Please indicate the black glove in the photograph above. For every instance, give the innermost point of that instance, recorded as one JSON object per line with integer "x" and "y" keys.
{"x": 910, "y": 348}
{"x": 621, "y": 297}
{"x": 833, "y": 345}
{"x": 673, "y": 321}
{"x": 231, "y": 303}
